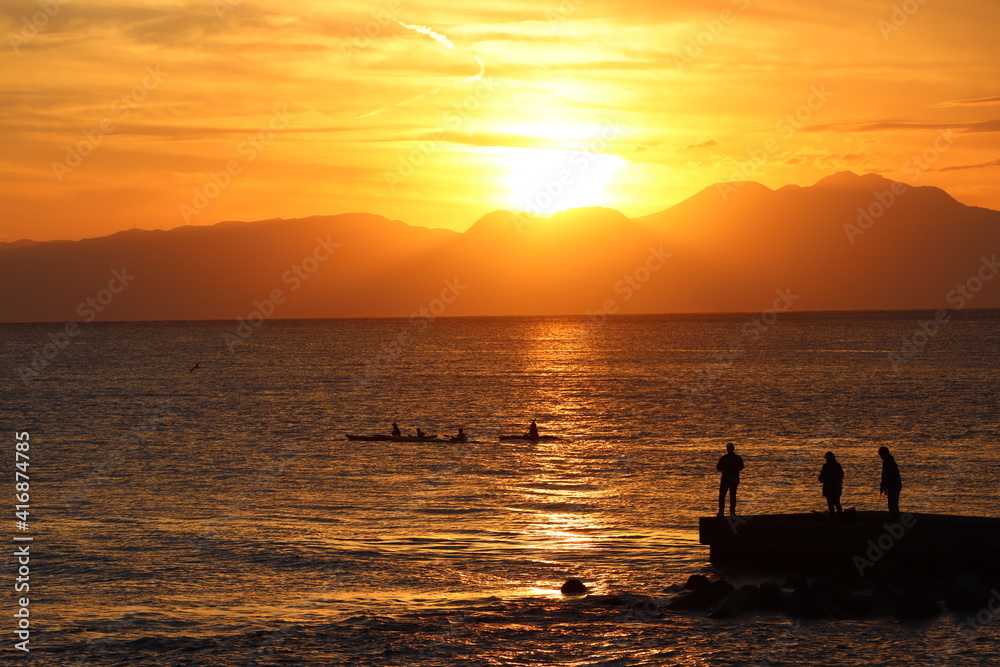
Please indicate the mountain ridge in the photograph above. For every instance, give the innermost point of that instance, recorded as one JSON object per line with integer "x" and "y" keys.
{"x": 848, "y": 242}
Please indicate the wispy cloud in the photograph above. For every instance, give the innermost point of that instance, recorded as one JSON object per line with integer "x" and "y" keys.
{"x": 703, "y": 144}
{"x": 980, "y": 101}
{"x": 981, "y": 165}
{"x": 424, "y": 30}
{"x": 887, "y": 125}
{"x": 438, "y": 37}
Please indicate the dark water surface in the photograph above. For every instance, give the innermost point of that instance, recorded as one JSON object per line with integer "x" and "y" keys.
{"x": 220, "y": 517}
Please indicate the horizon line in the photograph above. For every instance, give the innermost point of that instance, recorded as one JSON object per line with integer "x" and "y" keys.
{"x": 800, "y": 313}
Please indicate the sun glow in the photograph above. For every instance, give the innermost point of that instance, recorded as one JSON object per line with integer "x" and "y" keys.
{"x": 544, "y": 181}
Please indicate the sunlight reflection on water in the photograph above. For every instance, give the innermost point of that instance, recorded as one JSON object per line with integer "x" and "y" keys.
{"x": 245, "y": 506}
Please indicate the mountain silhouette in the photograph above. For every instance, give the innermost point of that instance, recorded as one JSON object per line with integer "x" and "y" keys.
{"x": 847, "y": 242}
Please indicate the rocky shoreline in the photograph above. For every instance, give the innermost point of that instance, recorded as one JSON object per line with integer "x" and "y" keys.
{"x": 969, "y": 596}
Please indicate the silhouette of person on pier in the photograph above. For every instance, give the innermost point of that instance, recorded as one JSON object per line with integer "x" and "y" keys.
{"x": 832, "y": 476}
{"x": 892, "y": 482}
{"x": 730, "y": 464}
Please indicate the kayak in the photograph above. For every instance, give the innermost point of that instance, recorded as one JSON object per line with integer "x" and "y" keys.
{"x": 525, "y": 437}
{"x": 393, "y": 438}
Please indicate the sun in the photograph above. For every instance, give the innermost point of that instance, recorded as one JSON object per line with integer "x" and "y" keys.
{"x": 543, "y": 181}
{"x": 573, "y": 171}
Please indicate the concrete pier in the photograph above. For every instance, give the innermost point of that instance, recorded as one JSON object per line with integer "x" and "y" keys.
{"x": 860, "y": 543}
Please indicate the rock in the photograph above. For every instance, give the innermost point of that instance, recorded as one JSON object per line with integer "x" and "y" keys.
{"x": 740, "y": 601}
{"x": 573, "y": 587}
{"x": 606, "y": 600}
{"x": 770, "y": 597}
{"x": 646, "y": 609}
{"x": 702, "y": 598}
{"x": 696, "y": 582}
{"x": 839, "y": 581}
{"x": 938, "y": 588}
{"x": 824, "y": 585}
{"x": 751, "y": 589}
{"x": 805, "y": 604}
{"x": 851, "y": 604}
{"x": 883, "y": 602}
{"x": 968, "y": 593}
{"x": 914, "y": 603}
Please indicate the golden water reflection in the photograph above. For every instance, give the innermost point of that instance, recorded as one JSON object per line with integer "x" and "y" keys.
{"x": 554, "y": 513}
{"x": 558, "y": 368}
{"x": 558, "y": 346}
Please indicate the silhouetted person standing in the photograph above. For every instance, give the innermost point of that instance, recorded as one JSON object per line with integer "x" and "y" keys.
{"x": 730, "y": 465}
{"x": 892, "y": 483}
{"x": 832, "y": 476}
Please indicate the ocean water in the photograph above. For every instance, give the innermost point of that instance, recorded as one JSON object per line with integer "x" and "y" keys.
{"x": 219, "y": 516}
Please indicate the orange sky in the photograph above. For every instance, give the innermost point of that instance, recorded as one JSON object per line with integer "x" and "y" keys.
{"x": 154, "y": 115}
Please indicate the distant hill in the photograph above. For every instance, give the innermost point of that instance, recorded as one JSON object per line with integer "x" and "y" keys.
{"x": 848, "y": 242}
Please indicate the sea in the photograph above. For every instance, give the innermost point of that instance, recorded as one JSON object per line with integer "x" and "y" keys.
{"x": 194, "y": 500}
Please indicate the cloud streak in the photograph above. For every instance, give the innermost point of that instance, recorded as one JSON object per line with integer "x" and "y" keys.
{"x": 886, "y": 125}
{"x": 424, "y": 30}
{"x": 980, "y": 101}
{"x": 981, "y": 165}
{"x": 438, "y": 37}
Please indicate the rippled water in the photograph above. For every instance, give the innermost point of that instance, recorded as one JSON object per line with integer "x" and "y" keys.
{"x": 220, "y": 517}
